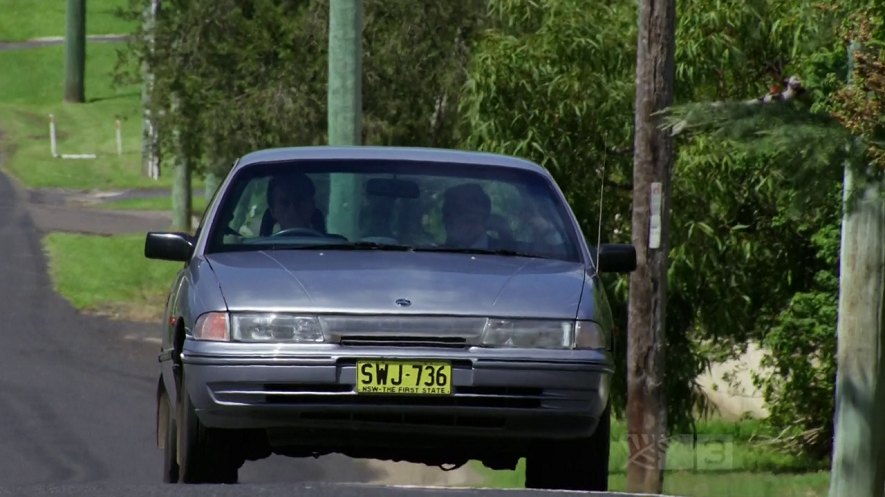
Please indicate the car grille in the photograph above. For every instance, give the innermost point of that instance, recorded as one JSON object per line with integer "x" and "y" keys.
{"x": 451, "y": 342}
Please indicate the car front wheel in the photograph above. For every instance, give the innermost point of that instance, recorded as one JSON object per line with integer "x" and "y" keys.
{"x": 576, "y": 464}
{"x": 204, "y": 455}
{"x": 170, "y": 451}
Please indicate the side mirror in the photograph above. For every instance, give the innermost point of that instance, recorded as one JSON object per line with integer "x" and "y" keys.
{"x": 168, "y": 246}
{"x": 616, "y": 258}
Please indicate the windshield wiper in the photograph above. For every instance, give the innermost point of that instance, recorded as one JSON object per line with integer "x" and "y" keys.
{"x": 462, "y": 250}
{"x": 348, "y": 246}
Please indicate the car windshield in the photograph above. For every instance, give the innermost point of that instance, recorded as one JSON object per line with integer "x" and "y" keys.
{"x": 393, "y": 205}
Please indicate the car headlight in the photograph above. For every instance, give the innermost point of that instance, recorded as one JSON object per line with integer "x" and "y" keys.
{"x": 276, "y": 328}
{"x": 544, "y": 334}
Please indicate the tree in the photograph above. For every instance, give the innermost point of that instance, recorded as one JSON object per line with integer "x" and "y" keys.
{"x": 806, "y": 145}
{"x": 75, "y": 51}
{"x": 859, "y": 452}
{"x": 554, "y": 82}
{"x": 256, "y": 73}
{"x": 150, "y": 147}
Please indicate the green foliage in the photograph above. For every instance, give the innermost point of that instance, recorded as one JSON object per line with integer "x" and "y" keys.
{"x": 799, "y": 384}
{"x": 803, "y": 359}
{"x": 754, "y": 193}
{"x": 801, "y": 148}
{"x": 131, "y": 284}
{"x": 553, "y": 81}
{"x": 728, "y": 50}
{"x": 256, "y": 73}
{"x": 781, "y": 165}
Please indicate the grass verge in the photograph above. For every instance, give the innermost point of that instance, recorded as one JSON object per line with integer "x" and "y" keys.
{"x": 729, "y": 459}
{"x": 33, "y": 91}
{"x": 27, "y": 19}
{"x": 109, "y": 275}
{"x": 163, "y": 203}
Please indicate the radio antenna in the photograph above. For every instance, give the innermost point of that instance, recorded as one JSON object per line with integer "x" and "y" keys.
{"x": 601, "y": 195}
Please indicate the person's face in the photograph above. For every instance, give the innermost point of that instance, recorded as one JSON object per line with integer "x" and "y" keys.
{"x": 464, "y": 227}
{"x": 289, "y": 210}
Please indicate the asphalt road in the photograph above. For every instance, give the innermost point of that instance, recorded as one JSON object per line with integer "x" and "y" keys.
{"x": 76, "y": 392}
{"x": 77, "y": 399}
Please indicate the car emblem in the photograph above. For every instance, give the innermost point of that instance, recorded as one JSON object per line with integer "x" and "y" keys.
{"x": 403, "y": 302}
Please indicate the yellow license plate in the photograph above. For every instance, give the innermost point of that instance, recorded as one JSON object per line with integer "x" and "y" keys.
{"x": 404, "y": 377}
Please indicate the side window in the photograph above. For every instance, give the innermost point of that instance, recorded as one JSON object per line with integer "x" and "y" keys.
{"x": 250, "y": 208}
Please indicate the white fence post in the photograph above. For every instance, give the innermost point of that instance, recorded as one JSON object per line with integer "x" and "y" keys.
{"x": 119, "y": 138}
{"x": 53, "y": 143}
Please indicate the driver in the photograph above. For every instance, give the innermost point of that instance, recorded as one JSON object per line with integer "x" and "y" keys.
{"x": 290, "y": 200}
{"x": 466, "y": 210}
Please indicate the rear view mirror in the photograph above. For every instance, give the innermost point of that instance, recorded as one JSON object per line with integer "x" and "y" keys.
{"x": 390, "y": 187}
{"x": 168, "y": 246}
{"x": 616, "y": 258}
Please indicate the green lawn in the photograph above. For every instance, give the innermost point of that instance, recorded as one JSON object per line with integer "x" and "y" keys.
{"x": 109, "y": 275}
{"x": 26, "y": 19}
{"x": 731, "y": 459}
{"x": 163, "y": 203}
{"x": 697, "y": 484}
{"x": 33, "y": 91}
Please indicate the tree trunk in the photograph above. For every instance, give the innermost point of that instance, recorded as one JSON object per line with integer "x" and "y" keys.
{"x": 181, "y": 193}
{"x": 75, "y": 51}
{"x": 150, "y": 142}
{"x": 858, "y": 464}
{"x": 653, "y": 162}
{"x": 181, "y": 177}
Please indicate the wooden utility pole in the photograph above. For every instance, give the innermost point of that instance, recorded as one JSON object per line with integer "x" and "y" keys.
{"x": 652, "y": 164}
{"x": 345, "y": 106}
{"x": 858, "y": 467}
{"x": 75, "y": 51}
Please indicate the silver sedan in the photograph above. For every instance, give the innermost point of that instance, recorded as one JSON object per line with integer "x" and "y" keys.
{"x": 426, "y": 305}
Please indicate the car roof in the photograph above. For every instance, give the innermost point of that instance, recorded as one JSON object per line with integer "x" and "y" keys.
{"x": 416, "y": 154}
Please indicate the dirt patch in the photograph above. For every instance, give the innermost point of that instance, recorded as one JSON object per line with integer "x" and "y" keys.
{"x": 124, "y": 311}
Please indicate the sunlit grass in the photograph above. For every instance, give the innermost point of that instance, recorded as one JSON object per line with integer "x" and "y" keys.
{"x": 33, "y": 90}
{"x": 109, "y": 275}
{"x": 163, "y": 203}
{"x": 726, "y": 459}
{"x": 27, "y": 19}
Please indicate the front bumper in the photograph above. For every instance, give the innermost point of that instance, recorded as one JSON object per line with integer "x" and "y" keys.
{"x": 497, "y": 393}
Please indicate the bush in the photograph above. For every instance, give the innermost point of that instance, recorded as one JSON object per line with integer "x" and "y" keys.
{"x": 800, "y": 369}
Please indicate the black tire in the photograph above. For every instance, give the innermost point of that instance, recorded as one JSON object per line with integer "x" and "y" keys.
{"x": 576, "y": 464}
{"x": 204, "y": 455}
{"x": 170, "y": 449}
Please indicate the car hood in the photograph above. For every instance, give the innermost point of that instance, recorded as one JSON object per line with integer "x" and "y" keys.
{"x": 371, "y": 282}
